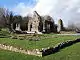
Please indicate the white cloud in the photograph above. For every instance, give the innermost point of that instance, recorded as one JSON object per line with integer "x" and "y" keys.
{"x": 22, "y": 9}
{"x": 45, "y": 6}
{"x": 68, "y": 10}
{"x": 78, "y": 10}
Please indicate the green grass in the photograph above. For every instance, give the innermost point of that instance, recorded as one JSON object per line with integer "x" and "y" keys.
{"x": 8, "y": 55}
{"x": 51, "y": 41}
{"x": 69, "y": 53}
{"x": 4, "y": 34}
{"x": 47, "y": 40}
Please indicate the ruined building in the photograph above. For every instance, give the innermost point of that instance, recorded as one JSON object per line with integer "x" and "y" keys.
{"x": 39, "y": 24}
{"x": 35, "y": 24}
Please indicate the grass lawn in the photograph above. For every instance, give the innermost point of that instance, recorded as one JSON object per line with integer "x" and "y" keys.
{"x": 8, "y": 55}
{"x": 47, "y": 40}
{"x": 50, "y": 41}
{"x": 69, "y": 53}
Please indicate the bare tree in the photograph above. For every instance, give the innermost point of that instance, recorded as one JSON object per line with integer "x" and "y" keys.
{"x": 2, "y": 22}
{"x": 72, "y": 27}
{"x": 7, "y": 17}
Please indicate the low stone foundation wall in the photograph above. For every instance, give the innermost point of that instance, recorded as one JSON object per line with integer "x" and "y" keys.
{"x": 35, "y": 52}
{"x": 52, "y": 50}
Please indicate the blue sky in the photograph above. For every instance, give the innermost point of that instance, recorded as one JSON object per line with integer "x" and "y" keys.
{"x": 21, "y": 7}
{"x": 12, "y": 3}
{"x": 67, "y": 10}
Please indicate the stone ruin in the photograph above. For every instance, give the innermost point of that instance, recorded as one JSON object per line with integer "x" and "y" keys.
{"x": 60, "y": 25}
{"x": 18, "y": 27}
{"x": 34, "y": 24}
{"x": 41, "y": 24}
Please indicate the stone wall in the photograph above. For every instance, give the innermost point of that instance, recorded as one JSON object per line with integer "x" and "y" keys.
{"x": 43, "y": 52}
{"x": 52, "y": 50}
{"x": 35, "y": 52}
{"x": 60, "y": 25}
{"x": 33, "y": 24}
